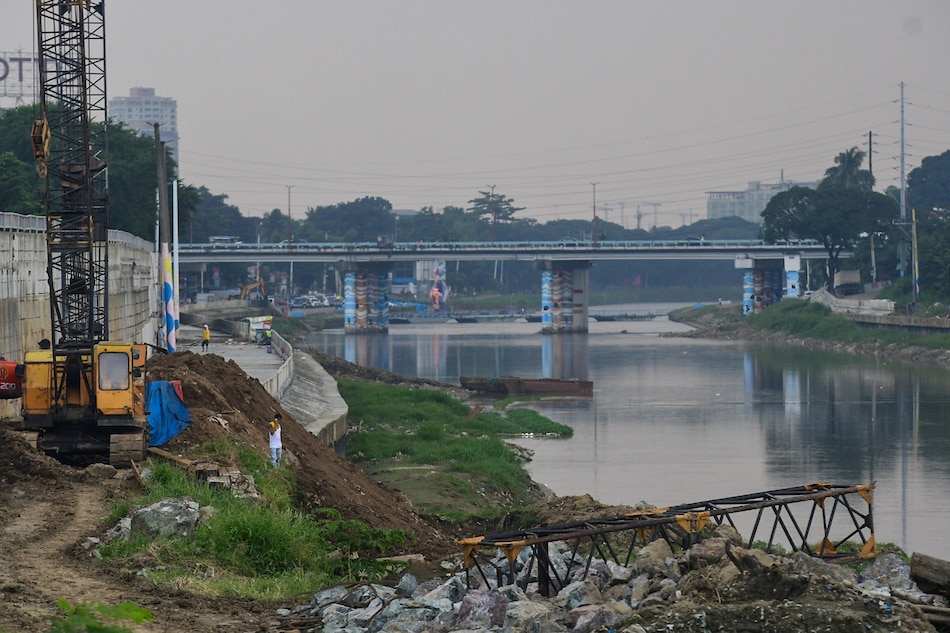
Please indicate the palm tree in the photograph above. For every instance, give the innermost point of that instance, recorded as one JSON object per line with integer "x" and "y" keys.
{"x": 847, "y": 171}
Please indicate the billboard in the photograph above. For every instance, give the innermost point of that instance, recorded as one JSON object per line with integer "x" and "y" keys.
{"x": 19, "y": 76}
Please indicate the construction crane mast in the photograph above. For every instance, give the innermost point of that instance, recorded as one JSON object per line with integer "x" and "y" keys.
{"x": 69, "y": 140}
{"x": 82, "y": 394}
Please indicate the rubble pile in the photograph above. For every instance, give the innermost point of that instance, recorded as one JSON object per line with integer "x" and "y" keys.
{"x": 716, "y": 585}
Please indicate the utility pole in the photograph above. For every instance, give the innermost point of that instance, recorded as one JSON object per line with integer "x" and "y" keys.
{"x": 903, "y": 246}
{"x": 594, "y": 233}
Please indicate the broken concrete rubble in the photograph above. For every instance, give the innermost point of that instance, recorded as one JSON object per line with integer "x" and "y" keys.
{"x": 701, "y": 589}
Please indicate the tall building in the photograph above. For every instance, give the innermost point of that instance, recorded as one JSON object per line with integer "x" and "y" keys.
{"x": 747, "y": 204}
{"x": 141, "y": 110}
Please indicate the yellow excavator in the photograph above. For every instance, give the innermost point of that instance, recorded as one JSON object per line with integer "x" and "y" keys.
{"x": 261, "y": 290}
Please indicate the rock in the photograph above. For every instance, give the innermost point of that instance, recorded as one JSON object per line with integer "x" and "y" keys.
{"x": 708, "y": 553}
{"x": 618, "y": 574}
{"x": 530, "y": 615}
{"x": 101, "y": 471}
{"x": 748, "y": 560}
{"x": 593, "y": 617}
{"x": 652, "y": 557}
{"x": 580, "y": 593}
{"x": 453, "y": 589}
{"x": 121, "y": 530}
{"x": 484, "y": 608}
{"x": 166, "y": 518}
{"x": 407, "y": 584}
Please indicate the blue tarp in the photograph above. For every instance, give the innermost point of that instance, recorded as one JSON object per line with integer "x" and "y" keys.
{"x": 167, "y": 414}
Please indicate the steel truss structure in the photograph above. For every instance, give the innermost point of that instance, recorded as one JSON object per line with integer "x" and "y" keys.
{"x": 797, "y": 519}
{"x": 71, "y": 158}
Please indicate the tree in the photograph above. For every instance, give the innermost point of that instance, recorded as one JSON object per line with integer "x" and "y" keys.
{"x": 835, "y": 216}
{"x": 928, "y": 193}
{"x": 847, "y": 171}
{"x": 494, "y": 207}
{"x": 15, "y": 127}
{"x": 928, "y": 186}
{"x": 18, "y": 186}
{"x": 361, "y": 220}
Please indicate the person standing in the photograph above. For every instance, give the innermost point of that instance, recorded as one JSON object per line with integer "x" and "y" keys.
{"x": 205, "y": 339}
{"x": 276, "y": 447}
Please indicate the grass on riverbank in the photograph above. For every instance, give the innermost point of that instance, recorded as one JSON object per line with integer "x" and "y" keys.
{"x": 806, "y": 319}
{"x": 260, "y": 548}
{"x": 423, "y": 443}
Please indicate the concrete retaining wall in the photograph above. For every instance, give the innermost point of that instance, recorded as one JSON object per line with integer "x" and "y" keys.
{"x": 24, "y": 289}
{"x": 854, "y": 306}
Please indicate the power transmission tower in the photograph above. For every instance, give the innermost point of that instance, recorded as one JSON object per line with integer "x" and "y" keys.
{"x": 655, "y": 205}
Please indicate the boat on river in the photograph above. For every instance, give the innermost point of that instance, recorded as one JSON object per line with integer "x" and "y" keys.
{"x": 514, "y": 386}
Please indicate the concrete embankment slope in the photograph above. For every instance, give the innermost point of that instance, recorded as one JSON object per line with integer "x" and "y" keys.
{"x": 301, "y": 386}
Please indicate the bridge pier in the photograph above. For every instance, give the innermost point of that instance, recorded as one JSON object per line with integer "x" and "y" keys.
{"x": 564, "y": 291}
{"x": 366, "y": 299}
{"x": 766, "y": 282}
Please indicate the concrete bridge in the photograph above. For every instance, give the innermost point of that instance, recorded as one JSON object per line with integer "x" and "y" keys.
{"x": 770, "y": 271}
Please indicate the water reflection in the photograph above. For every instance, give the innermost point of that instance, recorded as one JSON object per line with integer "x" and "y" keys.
{"x": 434, "y": 356}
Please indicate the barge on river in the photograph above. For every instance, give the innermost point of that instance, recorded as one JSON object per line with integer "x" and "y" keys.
{"x": 513, "y": 386}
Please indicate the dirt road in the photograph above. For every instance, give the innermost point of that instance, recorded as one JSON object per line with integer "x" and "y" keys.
{"x": 46, "y": 511}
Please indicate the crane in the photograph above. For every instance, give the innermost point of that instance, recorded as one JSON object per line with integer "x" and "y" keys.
{"x": 82, "y": 393}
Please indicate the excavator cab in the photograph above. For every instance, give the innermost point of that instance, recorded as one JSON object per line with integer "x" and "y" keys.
{"x": 114, "y": 394}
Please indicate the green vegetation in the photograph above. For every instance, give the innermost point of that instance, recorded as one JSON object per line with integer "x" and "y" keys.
{"x": 803, "y": 318}
{"x": 422, "y": 442}
{"x": 260, "y": 548}
{"x": 88, "y": 617}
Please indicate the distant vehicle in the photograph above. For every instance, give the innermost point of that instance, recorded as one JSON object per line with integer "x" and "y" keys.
{"x": 691, "y": 241}
{"x": 224, "y": 239}
{"x": 292, "y": 243}
{"x": 848, "y": 282}
{"x": 318, "y": 301}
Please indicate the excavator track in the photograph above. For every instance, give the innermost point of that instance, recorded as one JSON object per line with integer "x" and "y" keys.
{"x": 126, "y": 448}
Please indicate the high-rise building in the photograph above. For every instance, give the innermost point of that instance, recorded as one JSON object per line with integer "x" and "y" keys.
{"x": 747, "y": 204}
{"x": 141, "y": 110}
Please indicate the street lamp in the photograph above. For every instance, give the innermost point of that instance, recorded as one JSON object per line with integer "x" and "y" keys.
{"x": 290, "y": 237}
{"x": 594, "y": 234}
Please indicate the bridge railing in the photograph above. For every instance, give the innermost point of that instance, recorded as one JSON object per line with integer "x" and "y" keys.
{"x": 518, "y": 245}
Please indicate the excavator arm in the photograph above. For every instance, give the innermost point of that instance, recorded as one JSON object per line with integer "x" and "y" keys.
{"x": 259, "y": 284}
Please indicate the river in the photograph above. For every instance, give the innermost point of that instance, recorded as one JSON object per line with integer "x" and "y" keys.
{"x": 676, "y": 420}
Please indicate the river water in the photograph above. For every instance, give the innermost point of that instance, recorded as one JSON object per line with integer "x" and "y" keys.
{"x": 677, "y": 420}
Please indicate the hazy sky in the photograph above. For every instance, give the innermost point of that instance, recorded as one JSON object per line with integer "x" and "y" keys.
{"x": 428, "y": 102}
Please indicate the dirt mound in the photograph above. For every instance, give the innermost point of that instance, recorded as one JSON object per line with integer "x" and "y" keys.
{"x": 223, "y": 400}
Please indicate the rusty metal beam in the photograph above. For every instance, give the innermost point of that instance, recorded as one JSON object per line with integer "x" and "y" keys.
{"x": 797, "y": 519}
